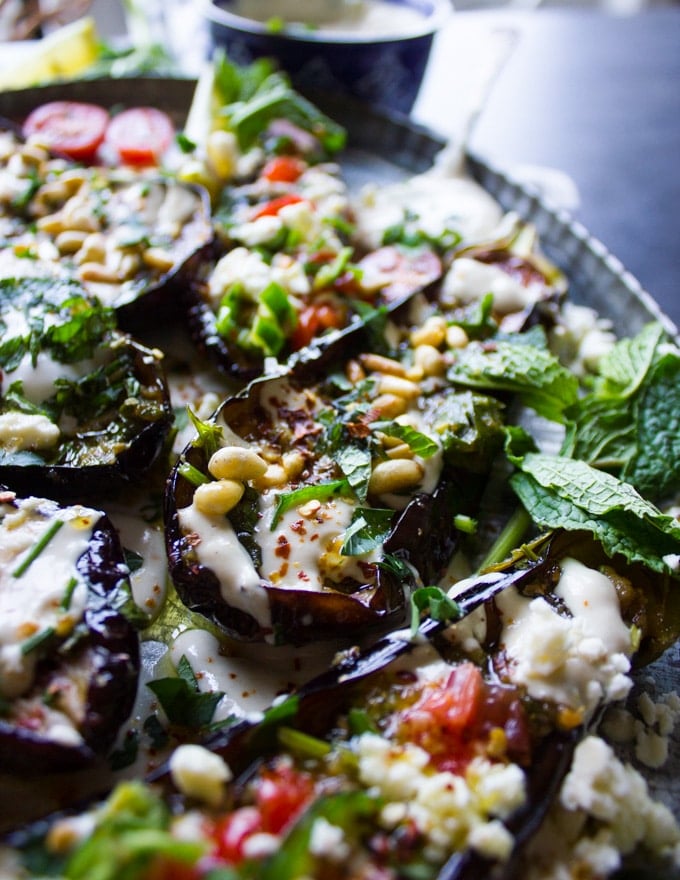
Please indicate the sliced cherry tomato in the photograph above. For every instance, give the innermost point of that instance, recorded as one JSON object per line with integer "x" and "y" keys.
{"x": 271, "y": 208}
{"x": 69, "y": 127}
{"x": 140, "y": 135}
{"x": 283, "y": 169}
{"x": 281, "y": 796}
{"x": 314, "y": 320}
{"x": 232, "y": 832}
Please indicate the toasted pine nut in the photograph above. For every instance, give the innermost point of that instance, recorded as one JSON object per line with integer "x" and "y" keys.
{"x": 157, "y": 258}
{"x": 70, "y": 241}
{"x": 401, "y": 387}
{"x": 219, "y": 497}
{"x": 33, "y": 154}
{"x": 403, "y": 450}
{"x": 432, "y": 332}
{"x": 79, "y": 216}
{"x": 389, "y": 405}
{"x": 93, "y": 249}
{"x": 97, "y": 273}
{"x": 236, "y": 463}
{"x": 429, "y": 359}
{"x": 293, "y": 463}
{"x": 129, "y": 264}
{"x": 52, "y": 224}
{"x": 395, "y": 476}
{"x": 354, "y": 371}
{"x": 379, "y": 364}
{"x": 456, "y": 337}
{"x": 53, "y": 192}
{"x": 274, "y": 476}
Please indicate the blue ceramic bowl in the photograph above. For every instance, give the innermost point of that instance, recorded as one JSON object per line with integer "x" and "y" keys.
{"x": 379, "y": 68}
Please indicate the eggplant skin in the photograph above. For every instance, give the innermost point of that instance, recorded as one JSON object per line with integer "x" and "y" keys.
{"x": 109, "y": 649}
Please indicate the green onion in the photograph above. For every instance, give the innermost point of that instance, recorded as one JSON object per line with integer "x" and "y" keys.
{"x": 192, "y": 474}
{"x": 35, "y": 641}
{"x": 65, "y": 603}
{"x": 38, "y": 548}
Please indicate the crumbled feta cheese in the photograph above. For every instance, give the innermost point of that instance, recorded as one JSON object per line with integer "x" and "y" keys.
{"x": 200, "y": 773}
{"x": 328, "y": 840}
{"x": 27, "y": 431}
{"x": 260, "y": 845}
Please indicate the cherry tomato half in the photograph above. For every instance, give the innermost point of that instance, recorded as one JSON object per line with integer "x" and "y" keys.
{"x": 69, "y": 127}
{"x": 140, "y": 135}
{"x": 283, "y": 169}
{"x": 313, "y": 320}
{"x": 271, "y": 208}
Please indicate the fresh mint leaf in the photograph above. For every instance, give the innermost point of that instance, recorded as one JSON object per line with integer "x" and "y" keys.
{"x": 532, "y": 373}
{"x": 420, "y": 443}
{"x": 182, "y": 700}
{"x": 559, "y": 492}
{"x": 368, "y": 529}
{"x": 355, "y": 463}
{"x": 319, "y": 492}
{"x": 434, "y": 603}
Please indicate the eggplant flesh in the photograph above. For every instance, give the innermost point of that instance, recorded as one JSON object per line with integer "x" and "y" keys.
{"x": 80, "y": 682}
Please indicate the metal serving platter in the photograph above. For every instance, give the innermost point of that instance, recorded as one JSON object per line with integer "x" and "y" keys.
{"x": 387, "y": 148}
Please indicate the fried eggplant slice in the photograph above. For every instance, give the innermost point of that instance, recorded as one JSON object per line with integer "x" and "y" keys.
{"x": 129, "y": 236}
{"x": 69, "y": 657}
{"x": 289, "y": 274}
{"x": 83, "y": 407}
{"x": 314, "y": 502}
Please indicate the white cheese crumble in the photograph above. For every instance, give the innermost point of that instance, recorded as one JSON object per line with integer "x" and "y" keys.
{"x": 27, "y": 432}
{"x": 328, "y": 841}
{"x": 453, "y": 812}
{"x": 578, "y": 661}
{"x": 469, "y": 280}
{"x": 200, "y": 773}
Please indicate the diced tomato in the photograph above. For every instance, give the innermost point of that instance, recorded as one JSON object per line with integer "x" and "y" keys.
{"x": 283, "y": 169}
{"x": 313, "y": 320}
{"x": 271, "y": 208}
{"x": 442, "y": 718}
{"x": 166, "y": 869}
{"x": 140, "y": 135}
{"x": 231, "y": 833}
{"x": 72, "y": 128}
{"x": 281, "y": 796}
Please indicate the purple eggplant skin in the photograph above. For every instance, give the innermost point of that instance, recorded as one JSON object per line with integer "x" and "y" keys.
{"x": 89, "y": 482}
{"x": 109, "y": 646}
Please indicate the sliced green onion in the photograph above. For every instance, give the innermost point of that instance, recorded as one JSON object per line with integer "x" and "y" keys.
{"x": 38, "y": 548}
{"x": 35, "y": 641}
{"x": 65, "y": 603}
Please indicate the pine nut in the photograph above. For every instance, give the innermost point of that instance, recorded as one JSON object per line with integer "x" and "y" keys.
{"x": 398, "y": 386}
{"x": 93, "y": 249}
{"x": 236, "y": 463}
{"x": 219, "y": 497}
{"x": 402, "y": 450}
{"x": 456, "y": 337}
{"x": 389, "y": 406}
{"x": 354, "y": 371}
{"x": 433, "y": 332}
{"x": 395, "y": 476}
{"x": 70, "y": 241}
{"x": 293, "y": 463}
{"x": 52, "y": 224}
{"x": 430, "y": 360}
{"x": 157, "y": 258}
{"x": 274, "y": 476}
{"x": 379, "y": 364}
{"x": 97, "y": 273}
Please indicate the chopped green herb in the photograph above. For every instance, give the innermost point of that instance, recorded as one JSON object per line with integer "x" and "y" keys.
{"x": 37, "y": 640}
{"x": 368, "y": 530}
{"x": 65, "y": 603}
{"x": 319, "y": 492}
{"x": 38, "y": 548}
{"x": 435, "y": 603}
{"x": 182, "y": 700}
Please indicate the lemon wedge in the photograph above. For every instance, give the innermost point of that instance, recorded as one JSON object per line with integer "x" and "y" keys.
{"x": 63, "y": 54}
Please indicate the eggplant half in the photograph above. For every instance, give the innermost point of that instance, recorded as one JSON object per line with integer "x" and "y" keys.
{"x": 83, "y": 408}
{"x": 288, "y": 273}
{"x": 69, "y": 655}
{"x": 313, "y": 503}
{"x": 130, "y": 237}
